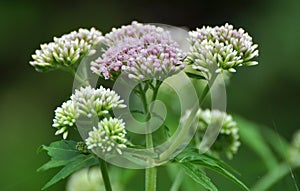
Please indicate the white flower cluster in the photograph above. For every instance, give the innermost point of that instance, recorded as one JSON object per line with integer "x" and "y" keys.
{"x": 108, "y": 137}
{"x": 65, "y": 52}
{"x": 228, "y": 138}
{"x": 220, "y": 48}
{"x": 65, "y": 117}
{"x": 88, "y": 102}
{"x": 92, "y": 102}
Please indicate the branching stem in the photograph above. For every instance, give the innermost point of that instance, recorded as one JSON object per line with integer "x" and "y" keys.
{"x": 151, "y": 173}
{"x": 105, "y": 176}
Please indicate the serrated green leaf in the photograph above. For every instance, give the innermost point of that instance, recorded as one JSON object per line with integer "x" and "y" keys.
{"x": 64, "y": 153}
{"x": 187, "y": 183}
{"x": 79, "y": 162}
{"x": 207, "y": 161}
{"x": 52, "y": 164}
{"x": 192, "y": 154}
{"x": 223, "y": 164}
{"x": 198, "y": 175}
{"x": 61, "y": 150}
{"x": 216, "y": 167}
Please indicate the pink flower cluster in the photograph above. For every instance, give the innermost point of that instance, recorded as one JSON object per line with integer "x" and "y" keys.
{"x": 143, "y": 51}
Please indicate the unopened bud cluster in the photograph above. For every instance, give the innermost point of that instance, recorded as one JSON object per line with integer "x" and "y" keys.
{"x": 228, "y": 139}
{"x": 220, "y": 48}
{"x": 87, "y": 102}
{"x": 108, "y": 136}
{"x": 65, "y": 52}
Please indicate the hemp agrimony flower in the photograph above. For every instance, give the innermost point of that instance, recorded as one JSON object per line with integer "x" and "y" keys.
{"x": 87, "y": 102}
{"x": 148, "y": 55}
{"x": 96, "y": 102}
{"x": 220, "y": 48}
{"x": 65, "y": 52}
{"x": 108, "y": 136}
{"x": 228, "y": 139}
{"x": 142, "y": 51}
{"x": 65, "y": 117}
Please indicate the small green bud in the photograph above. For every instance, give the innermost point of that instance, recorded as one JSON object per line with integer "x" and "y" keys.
{"x": 82, "y": 147}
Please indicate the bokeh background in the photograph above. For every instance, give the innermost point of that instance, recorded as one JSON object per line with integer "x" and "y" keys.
{"x": 267, "y": 94}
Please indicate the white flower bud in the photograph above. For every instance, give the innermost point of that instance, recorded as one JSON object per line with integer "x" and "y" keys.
{"x": 108, "y": 137}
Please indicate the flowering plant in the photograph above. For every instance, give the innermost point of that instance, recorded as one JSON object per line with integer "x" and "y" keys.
{"x": 151, "y": 113}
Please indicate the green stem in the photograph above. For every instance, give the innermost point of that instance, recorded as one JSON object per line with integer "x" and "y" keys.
{"x": 165, "y": 155}
{"x": 207, "y": 88}
{"x": 204, "y": 94}
{"x": 184, "y": 130}
{"x": 142, "y": 94}
{"x": 177, "y": 182}
{"x": 77, "y": 77}
{"x": 105, "y": 176}
{"x": 272, "y": 177}
{"x": 151, "y": 173}
{"x": 155, "y": 90}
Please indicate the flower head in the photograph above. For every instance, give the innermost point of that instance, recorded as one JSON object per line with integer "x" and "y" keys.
{"x": 65, "y": 52}
{"x": 108, "y": 136}
{"x": 87, "y": 102}
{"x": 220, "y": 48}
{"x": 65, "y": 117}
{"x": 142, "y": 51}
{"x": 228, "y": 139}
{"x": 96, "y": 102}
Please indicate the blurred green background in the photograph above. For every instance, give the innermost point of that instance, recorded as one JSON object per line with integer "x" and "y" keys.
{"x": 268, "y": 94}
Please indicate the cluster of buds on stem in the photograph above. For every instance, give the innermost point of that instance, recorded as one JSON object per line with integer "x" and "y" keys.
{"x": 220, "y": 48}
{"x": 85, "y": 102}
{"x": 66, "y": 52}
{"x": 108, "y": 136}
{"x": 228, "y": 138}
